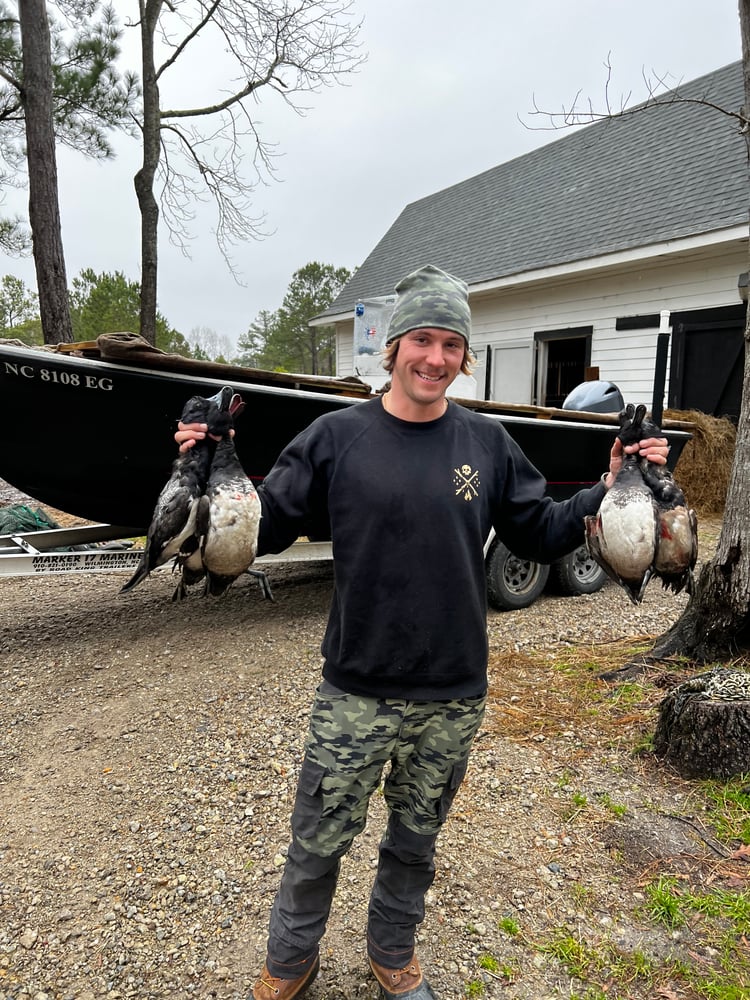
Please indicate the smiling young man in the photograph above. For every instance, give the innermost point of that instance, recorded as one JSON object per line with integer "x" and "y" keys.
{"x": 411, "y": 485}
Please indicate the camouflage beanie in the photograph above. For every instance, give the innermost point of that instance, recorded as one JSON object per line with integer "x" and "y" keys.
{"x": 430, "y": 297}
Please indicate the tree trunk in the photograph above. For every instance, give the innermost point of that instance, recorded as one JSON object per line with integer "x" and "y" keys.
{"x": 716, "y": 622}
{"x": 44, "y": 207}
{"x": 144, "y": 179}
{"x": 702, "y": 735}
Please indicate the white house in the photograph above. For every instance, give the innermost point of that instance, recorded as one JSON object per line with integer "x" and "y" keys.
{"x": 578, "y": 253}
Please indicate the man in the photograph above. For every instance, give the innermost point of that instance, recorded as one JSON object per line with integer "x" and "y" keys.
{"x": 405, "y": 650}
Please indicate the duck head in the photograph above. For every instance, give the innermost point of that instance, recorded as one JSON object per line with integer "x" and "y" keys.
{"x": 218, "y": 411}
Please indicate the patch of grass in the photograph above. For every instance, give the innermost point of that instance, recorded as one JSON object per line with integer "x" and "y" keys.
{"x": 578, "y": 802}
{"x": 578, "y": 958}
{"x": 627, "y": 696}
{"x": 664, "y": 904}
{"x": 733, "y": 907}
{"x": 721, "y": 919}
{"x": 489, "y": 963}
{"x": 715, "y": 987}
{"x": 570, "y": 693}
{"x": 643, "y": 744}
{"x": 582, "y": 895}
{"x": 606, "y": 973}
{"x": 509, "y": 926}
{"x": 601, "y": 968}
{"x": 728, "y": 804}
{"x": 613, "y": 807}
{"x": 474, "y": 988}
{"x": 641, "y": 964}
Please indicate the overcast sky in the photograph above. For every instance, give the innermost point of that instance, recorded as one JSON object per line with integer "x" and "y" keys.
{"x": 444, "y": 95}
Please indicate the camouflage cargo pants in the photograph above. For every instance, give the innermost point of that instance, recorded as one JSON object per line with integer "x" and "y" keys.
{"x": 423, "y": 748}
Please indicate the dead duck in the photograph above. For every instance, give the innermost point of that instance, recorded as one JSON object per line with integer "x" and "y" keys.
{"x": 172, "y": 527}
{"x": 643, "y": 527}
{"x": 229, "y": 519}
{"x": 677, "y": 545}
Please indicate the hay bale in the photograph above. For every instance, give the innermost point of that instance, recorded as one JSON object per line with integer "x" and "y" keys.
{"x": 705, "y": 464}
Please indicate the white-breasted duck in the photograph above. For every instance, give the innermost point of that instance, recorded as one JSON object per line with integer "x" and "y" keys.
{"x": 230, "y": 518}
{"x": 644, "y": 527}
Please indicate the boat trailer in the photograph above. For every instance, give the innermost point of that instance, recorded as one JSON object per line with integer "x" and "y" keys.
{"x": 106, "y": 548}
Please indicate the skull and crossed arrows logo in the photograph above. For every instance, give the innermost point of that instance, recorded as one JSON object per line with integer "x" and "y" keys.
{"x": 466, "y": 482}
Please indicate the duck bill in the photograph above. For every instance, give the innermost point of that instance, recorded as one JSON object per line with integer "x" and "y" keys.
{"x": 236, "y": 405}
{"x": 228, "y": 401}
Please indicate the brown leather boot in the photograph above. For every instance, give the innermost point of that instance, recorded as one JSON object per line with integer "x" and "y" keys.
{"x": 407, "y": 983}
{"x": 270, "y": 987}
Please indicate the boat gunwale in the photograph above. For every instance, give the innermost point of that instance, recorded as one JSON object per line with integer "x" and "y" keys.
{"x": 314, "y": 387}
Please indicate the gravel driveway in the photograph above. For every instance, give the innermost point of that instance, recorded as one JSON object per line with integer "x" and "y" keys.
{"x": 148, "y": 758}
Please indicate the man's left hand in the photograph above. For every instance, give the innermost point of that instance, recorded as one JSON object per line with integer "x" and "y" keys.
{"x": 655, "y": 450}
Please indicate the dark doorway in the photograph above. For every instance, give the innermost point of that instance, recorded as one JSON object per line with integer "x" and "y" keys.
{"x": 707, "y": 361}
{"x": 562, "y": 359}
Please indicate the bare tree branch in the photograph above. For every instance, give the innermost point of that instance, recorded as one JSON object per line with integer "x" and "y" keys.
{"x": 660, "y": 94}
{"x": 276, "y": 47}
{"x": 188, "y": 38}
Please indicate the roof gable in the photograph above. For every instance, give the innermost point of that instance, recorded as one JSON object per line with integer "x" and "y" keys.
{"x": 671, "y": 170}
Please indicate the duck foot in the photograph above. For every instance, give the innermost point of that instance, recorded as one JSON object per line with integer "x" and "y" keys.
{"x": 263, "y": 583}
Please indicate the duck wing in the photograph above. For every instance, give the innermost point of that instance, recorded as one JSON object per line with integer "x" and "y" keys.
{"x": 677, "y": 540}
{"x": 189, "y": 561}
{"x": 173, "y": 520}
{"x": 677, "y": 550}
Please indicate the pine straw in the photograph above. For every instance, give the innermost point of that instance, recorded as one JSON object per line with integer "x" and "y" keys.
{"x": 705, "y": 464}
{"x": 535, "y": 695}
{"x": 548, "y": 693}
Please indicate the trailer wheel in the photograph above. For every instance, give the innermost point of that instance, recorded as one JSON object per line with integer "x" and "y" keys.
{"x": 577, "y": 573}
{"x": 513, "y": 583}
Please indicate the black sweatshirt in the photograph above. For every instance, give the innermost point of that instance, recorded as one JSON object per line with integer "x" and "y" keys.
{"x": 410, "y": 506}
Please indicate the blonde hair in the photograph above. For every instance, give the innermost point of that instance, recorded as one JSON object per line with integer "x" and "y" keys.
{"x": 390, "y": 352}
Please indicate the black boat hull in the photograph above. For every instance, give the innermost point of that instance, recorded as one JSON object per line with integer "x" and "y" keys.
{"x": 94, "y": 438}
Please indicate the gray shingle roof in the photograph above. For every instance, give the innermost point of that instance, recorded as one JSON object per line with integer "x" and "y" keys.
{"x": 669, "y": 171}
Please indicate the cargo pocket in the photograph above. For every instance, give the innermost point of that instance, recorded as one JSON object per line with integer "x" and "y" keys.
{"x": 308, "y": 804}
{"x": 457, "y": 775}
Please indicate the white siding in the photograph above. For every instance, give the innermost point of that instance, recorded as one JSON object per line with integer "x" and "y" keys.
{"x": 509, "y": 318}
{"x": 708, "y": 280}
{"x": 344, "y": 341}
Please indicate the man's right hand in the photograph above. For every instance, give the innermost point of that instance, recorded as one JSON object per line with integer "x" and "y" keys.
{"x": 186, "y": 435}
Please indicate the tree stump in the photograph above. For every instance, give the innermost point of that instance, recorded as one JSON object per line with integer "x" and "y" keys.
{"x": 703, "y": 729}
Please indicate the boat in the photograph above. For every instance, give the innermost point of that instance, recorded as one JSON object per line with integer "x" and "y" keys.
{"x": 88, "y": 427}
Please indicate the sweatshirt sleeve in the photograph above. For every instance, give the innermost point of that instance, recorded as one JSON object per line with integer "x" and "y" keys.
{"x": 533, "y": 525}
{"x": 294, "y": 494}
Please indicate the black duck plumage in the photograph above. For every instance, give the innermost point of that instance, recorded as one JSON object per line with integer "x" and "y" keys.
{"x": 644, "y": 527}
{"x": 173, "y": 523}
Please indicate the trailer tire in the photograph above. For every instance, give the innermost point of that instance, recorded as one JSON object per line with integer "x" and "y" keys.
{"x": 577, "y": 573}
{"x": 513, "y": 583}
